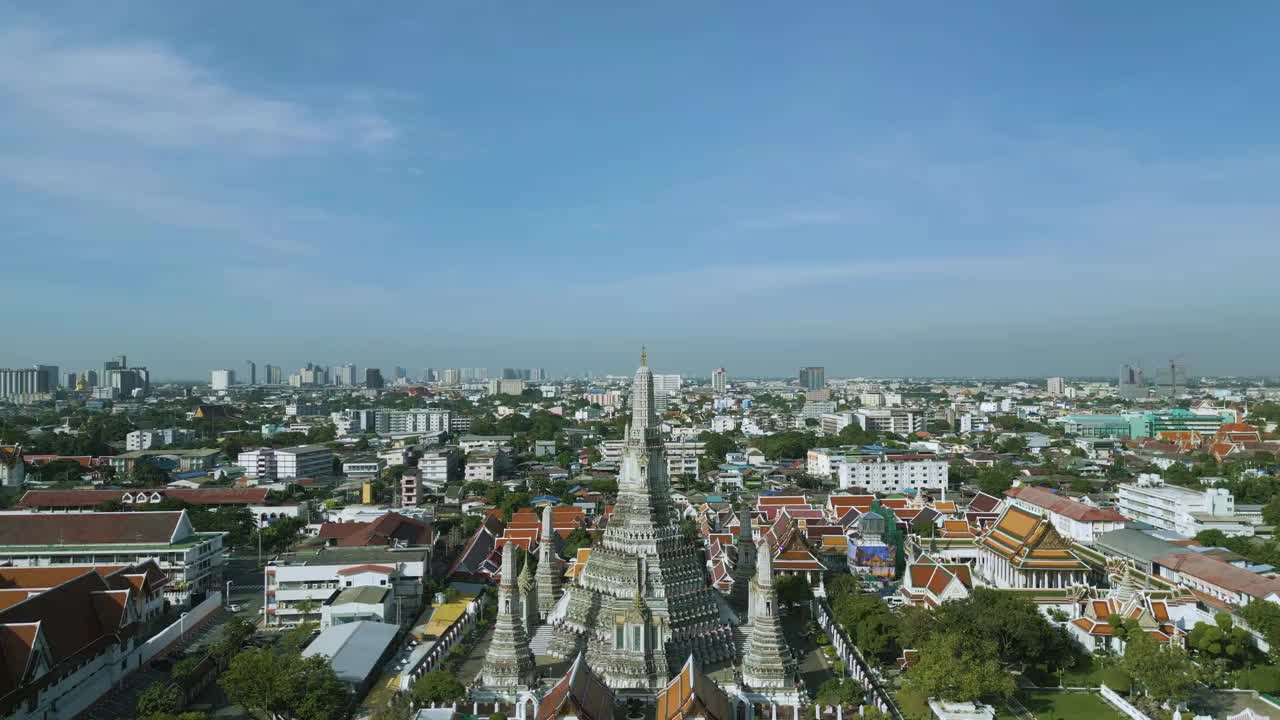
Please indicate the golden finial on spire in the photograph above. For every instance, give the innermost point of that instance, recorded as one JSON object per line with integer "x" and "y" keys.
{"x": 644, "y": 356}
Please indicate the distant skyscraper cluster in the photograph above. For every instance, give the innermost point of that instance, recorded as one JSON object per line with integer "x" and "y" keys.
{"x": 533, "y": 374}
{"x": 1131, "y": 383}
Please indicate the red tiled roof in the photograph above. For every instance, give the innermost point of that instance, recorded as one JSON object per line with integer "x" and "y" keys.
{"x": 1066, "y": 507}
{"x": 89, "y": 528}
{"x": 383, "y": 569}
{"x": 194, "y": 496}
{"x": 1224, "y": 575}
{"x": 389, "y": 529}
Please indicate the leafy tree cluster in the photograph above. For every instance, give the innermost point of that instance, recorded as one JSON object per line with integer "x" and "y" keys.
{"x": 1265, "y": 618}
{"x": 285, "y": 685}
{"x": 870, "y": 624}
{"x": 1161, "y": 672}
{"x": 996, "y": 479}
{"x": 968, "y": 647}
{"x": 788, "y": 444}
{"x": 1221, "y": 641}
{"x": 577, "y": 539}
{"x": 1257, "y": 551}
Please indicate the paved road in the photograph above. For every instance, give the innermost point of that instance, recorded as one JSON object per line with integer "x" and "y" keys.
{"x": 246, "y": 585}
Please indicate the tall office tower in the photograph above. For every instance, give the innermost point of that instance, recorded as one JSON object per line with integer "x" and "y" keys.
{"x": 719, "y": 381}
{"x": 222, "y": 379}
{"x": 401, "y": 374}
{"x": 118, "y": 362}
{"x": 428, "y": 375}
{"x": 373, "y": 378}
{"x": 273, "y": 374}
{"x": 510, "y": 374}
{"x": 345, "y": 374}
{"x": 475, "y": 374}
{"x": 253, "y": 372}
{"x": 50, "y": 379}
{"x": 1171, "y": 381}
{"x": 1131, "y": 383}
{"x": 537, "y": 374}
{"x": 72, "y": 381}
{"x": 813, "y": 378}
{"x": 90, "y": 378}
{"x": 1056, "y": 386}
{"x": 450, "y": 376}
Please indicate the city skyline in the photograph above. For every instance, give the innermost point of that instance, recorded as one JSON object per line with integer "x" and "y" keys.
{"x": 1001, "y": 190}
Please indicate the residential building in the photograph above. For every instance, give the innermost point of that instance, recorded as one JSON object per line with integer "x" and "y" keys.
{"x": 373, "y": 378}
{"x": 274, "y": 374}
{"x": 665, "y": 387}
{"x": 147, "y": 439}
{"x": 1056, "y": 386}
{"x": 191, "y": 560}
{"x": 258, "y": 464}
{"x": 886, "y": 473}
{"x": 482, "y": 466}
{"x": 682, "y": 457}
{"x": 1182, "y": 510}
{"x": 253, "y": 371}
{"x": 179, "y": 460}
{"x": 439, "y": 468}
{"x": 303, "y": 461}
{"x": 813, "y": 378}
{"x": 483, "y": 442}
{"x": 506, "y": 386}
{"x": 833, "y": 423}
{"x": 298, "y": 582}
{"x": 1076, "y": 520}
{"x": 1131, "y": 386}
{"x": 222, "y": 379}
{"x": 719, "y": 381}
{"x": 603, "y": 398}
{"x": 345, "y": 375}
{"x": 891, "y": 420}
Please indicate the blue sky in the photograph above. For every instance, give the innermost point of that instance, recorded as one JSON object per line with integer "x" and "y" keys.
{"x": 991, "y": 188}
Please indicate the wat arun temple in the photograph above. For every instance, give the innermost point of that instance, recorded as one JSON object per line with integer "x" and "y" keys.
{"x": 639, "y": 624}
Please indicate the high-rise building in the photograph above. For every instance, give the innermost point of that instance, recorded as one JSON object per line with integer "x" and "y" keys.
{"x": 90, "y": 378}
{"x": 813, "y": 378}
{"x": 641, "y": 604}
{"x": 274, "y": 374}
{"x": 373, "y": 378}
{"x": 401, "y": 373}
{"x": 345, "y": 374}
{"x": 1171, "y": 381}
{"x": 72, "y": 381}
{"x": 719, "y": 381}
{"x": 253, "y": 372}
{"x": 1056, "y": 386}
{"x": 450, "y": 376}
{"x": 1132, "y": 386}
{"x": 222, "y": 379}
{"x": 21, "y": 383}
{"x": 665, "y": 387}
{"x": 118, "y": 362}
{"x": 537, "y": 374}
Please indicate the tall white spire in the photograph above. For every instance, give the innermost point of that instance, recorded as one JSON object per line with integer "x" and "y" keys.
{"x": 642, "y": 402}
{"x": 764, "y": 564}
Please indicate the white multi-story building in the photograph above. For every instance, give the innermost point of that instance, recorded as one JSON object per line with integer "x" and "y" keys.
{"x": 823, "y": 462}
{"x": 719, "y": 381}
{"x": 303, "y": 583}
{"x": 438, "y": 468}
{"x": 222, "y": 379}
{"x": 34, "y": 383}
{"x": 603, "y": 398}
{"x": 258, "y": 464}
{"x": 1056, "y": 386}
{"x": 893, "y": 473}
{"x": 723, "y": 423}
{"x": 871, "y": 400}
{"x": 899, "y": 422}
{"x": 147, "y": 439}
{"x": 682, "y": 457}
{"x": 299, "y": 408}
{"x": 507, "y": 386}
{"x": 303, "y": 461}
{"x": 482, "y": 467}
{"x": 345, "y": 374}
{"x": 1182, "y": 510}
{"x": 665, "y": 387}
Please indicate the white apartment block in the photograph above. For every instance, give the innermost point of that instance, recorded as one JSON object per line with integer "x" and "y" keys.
{"x": 393, "y": 422}
{"x": 1182, "y": 510}
{"x": 823, "y": 462}
{"x": 871, "y": 400}
{"x": 682, "y": 457}
{"x": 506, "y": 387}
{"x": 899, "y": 422}
{"x": 893, "y": 473}
{"x": 222, "y": 379}
{"x": 148, "y": 439}
{"x": 303, "y": 461}
{"x": 437, "y": 469}
{"x": 1056, "y": 386}
{"x": 482, "y": 468}
{"x": 604, "y": 398}
{"x": 258, "y": 464}
{"x": 833, "y": 423}
{"x": 723, "y": 423}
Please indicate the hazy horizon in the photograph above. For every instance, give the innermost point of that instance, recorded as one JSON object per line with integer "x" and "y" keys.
{"x": 994, "y": 189}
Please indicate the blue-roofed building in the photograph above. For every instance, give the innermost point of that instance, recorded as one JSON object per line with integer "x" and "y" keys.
{"x": 544, "y": 500}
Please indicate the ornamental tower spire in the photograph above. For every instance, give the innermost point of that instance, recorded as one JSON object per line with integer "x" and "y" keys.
{"x": 767, "y": 662}
{"x": 509, "y": 662}
{"x": 548, "y": 576}
{"x": 744, "y": 565}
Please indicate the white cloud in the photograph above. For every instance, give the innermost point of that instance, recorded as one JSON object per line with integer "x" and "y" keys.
{"x": 149, "y": 94}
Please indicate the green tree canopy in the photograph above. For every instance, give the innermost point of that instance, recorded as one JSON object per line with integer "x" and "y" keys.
{"x": 953, "y": 667}
{"x": 438, "y": 686}
{"x": 286, "y": 685}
